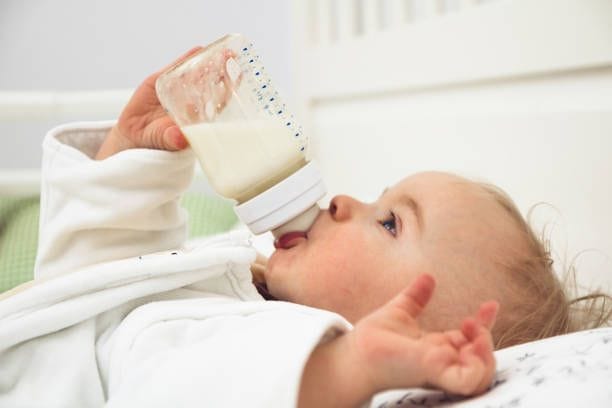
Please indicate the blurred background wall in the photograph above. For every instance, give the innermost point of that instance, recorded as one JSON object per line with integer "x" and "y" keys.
{"x": 75, "y": 45}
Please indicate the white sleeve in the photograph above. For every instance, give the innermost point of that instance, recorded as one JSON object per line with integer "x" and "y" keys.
{"x": 242, "y": 354}
{"x": 100, "y": 210}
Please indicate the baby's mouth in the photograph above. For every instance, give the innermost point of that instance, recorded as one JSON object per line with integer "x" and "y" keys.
{"x": 290, "y": 239}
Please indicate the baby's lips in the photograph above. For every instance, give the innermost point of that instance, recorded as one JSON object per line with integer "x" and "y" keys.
{"x": 289, "y": 239}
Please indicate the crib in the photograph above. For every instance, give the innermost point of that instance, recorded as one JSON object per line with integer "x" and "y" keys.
{"x": 518, "y": 93}
{"x": 513, "y": 92}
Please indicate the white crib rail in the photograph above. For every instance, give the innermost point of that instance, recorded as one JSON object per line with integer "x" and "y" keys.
{"x": 27, "y": 105}
{"x": 337, "y": 20}
{"x": 19, "y": 183}
{"x": 427, "y": 43}
{"x": 516, "y": 91}
{"x": 28, "y": 111}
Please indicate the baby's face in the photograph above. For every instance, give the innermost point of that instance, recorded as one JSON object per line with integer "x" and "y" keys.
{"x": 358, "y": 256}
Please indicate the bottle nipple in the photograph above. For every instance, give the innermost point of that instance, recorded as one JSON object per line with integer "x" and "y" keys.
{"x": 298, "y": 225}
{"x": 295, "y": 230}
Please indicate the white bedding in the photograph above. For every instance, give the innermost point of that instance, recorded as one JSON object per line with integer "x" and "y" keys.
{"x": 565, "y": 371}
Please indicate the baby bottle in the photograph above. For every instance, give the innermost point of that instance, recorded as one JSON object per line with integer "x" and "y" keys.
{"x": 248, "y": 145}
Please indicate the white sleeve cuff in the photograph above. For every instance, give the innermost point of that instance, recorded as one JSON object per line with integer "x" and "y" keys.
{"x": 109, "y": 209}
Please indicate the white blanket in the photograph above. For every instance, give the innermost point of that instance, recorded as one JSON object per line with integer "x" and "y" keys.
{"x": 110, "y": 322}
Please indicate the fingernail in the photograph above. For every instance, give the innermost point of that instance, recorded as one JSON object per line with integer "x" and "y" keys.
{"x": 177, "y": 138}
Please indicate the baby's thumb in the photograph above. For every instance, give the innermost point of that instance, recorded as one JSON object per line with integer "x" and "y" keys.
{"x": 163, "y": 134}
{"x": 415, "y": 297}
{"x": 174, "y": 138}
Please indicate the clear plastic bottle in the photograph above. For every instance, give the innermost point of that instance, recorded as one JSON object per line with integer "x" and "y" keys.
{"x": 247, "y": 143}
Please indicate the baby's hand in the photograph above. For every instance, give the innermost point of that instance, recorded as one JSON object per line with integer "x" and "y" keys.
{"x": 399, "y": 354}
{"x": 144, "y": 122}
{"x": 387, "y": 349}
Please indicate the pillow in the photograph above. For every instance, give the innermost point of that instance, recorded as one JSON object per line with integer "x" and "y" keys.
{"x": 208, "y": 215}
{"x": 572, "y": 370}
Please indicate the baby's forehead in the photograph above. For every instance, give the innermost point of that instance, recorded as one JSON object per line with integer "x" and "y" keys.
{"x": 432, "y": 186}
{"x": 448, "y": 200}
{"x": 436, "y": 179}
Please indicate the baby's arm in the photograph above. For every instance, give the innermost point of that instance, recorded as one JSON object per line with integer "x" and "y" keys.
{"x": 124, "y": 206}
{"x": 387, "y": 349}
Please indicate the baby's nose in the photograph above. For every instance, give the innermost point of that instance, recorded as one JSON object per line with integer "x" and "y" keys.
{"x": 342, "y": 207}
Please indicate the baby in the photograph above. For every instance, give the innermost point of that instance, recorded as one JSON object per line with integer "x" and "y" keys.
{"x": 377, "y": 266}
{"x": 469, "y": 236}
{"x": 405, "y": 271}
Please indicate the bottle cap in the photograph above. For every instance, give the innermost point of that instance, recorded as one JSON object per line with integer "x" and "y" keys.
{"x": 295, "y": 196}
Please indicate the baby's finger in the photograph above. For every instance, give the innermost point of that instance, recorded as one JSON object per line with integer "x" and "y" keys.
{"x": 469, "y": 328}
{"x": 174, "y": 139}
{"x": 456, "y": 338}
{"x": 480, "y": 346}
{"x": 487, "y": 313}
{"x": 414, "y": 298}
{"x": 483, "y": 349}
{"x": 162, "y": 134}
{"x": 464, "y": 378}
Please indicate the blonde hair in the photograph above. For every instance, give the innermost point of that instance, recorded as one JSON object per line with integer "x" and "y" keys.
{"x": 541, "y": 304}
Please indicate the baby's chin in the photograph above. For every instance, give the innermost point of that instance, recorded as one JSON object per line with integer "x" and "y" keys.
{"x": 278, "y": 261}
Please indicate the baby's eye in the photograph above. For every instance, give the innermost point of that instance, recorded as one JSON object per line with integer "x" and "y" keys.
{"x": 389, "y": 223}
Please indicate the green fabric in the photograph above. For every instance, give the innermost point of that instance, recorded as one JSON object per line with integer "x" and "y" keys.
{"x": 208, "y": 214}
{"x": 19, "y": 230}
{"x": 18, "y": 239}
